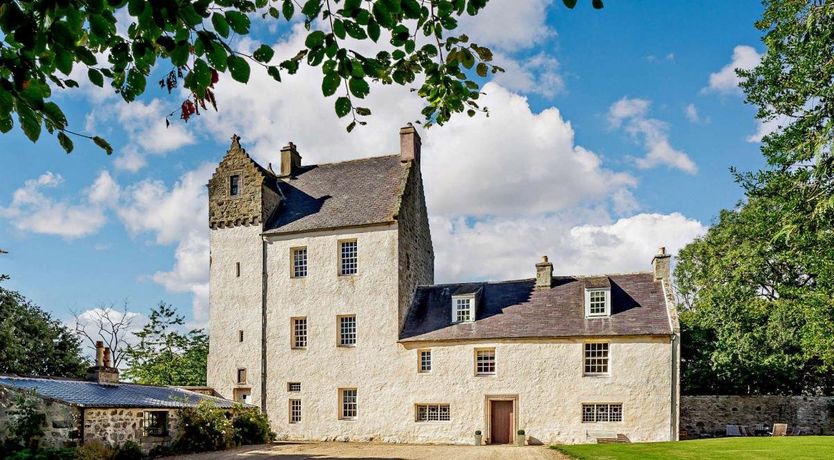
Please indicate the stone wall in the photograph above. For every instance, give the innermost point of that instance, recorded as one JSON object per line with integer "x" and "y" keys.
{"x": 118, "y": 426}
{"x": 62, "y": 424}
{"x": 249, "y": 205}
{"x": 710, "y": 415}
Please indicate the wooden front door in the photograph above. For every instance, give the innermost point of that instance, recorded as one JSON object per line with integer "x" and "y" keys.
{"x": 501, "y": 422}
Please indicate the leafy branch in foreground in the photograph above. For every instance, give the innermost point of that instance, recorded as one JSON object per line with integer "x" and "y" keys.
{"x": 44, "y": 41}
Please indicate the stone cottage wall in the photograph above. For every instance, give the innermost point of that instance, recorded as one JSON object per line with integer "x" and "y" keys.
{"x": 62, "y": 424}
{"x": 710, "y": 415}
{"x": 118, "y": 426}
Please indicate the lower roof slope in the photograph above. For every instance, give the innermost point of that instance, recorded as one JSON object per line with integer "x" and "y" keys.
{"x": 92, "y": 394}
{"x": 515, "y": 309}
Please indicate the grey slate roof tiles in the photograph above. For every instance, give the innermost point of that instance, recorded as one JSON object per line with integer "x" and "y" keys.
{"x": 514, "y": 309}
{"x": 91, "y": 394}
{"x": 349, "y": 193}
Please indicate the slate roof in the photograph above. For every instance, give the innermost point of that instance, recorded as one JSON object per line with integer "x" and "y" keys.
{"x": 514, "y": 309}
{"x": 345, "y": 194}
{"x": 91, "y": 394}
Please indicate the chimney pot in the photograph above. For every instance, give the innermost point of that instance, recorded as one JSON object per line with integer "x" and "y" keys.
{"x": 107, "y": 360}
{"x": 410, "y": 144}
{"x": 290, "y": 160}
{"x": 544, "y": 274}
{"x": 100, "y": 353}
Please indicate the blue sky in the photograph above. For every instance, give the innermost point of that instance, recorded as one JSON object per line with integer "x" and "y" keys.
{"x": 612, "y": 133}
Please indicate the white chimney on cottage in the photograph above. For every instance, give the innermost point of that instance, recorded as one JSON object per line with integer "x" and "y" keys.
{"x": 409, "y": 144}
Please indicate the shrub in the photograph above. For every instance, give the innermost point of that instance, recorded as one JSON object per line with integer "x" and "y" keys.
{"x": 128, "y": 451}
{"x": 94, "y": 450}
{"x": 251, "y": 427}
{"x": 27, "y": 428}
{"x": 42, "y": 454}
{"x": 204, "y": 427}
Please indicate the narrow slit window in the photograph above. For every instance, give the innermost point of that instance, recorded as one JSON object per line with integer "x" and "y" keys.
{"x": 241, "y": 376}
{"x": 237, "y": 269}
{"x": 234, "y": 185}
{"x": 240, "y": 336}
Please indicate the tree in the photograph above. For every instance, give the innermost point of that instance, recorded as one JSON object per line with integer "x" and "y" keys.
{"x": 164, "y": 354}
{"x": 44, "y": 40}
{"x": 793, "y": 87}
{"x": 108, "y": 325}
{"x": 33, "y": 343}
{"x": 757, "y": 313}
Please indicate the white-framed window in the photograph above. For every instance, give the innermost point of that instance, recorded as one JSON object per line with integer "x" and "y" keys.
{"x": 597, "y": 302}
{"x": 602, "y": 412}
{"x": 299, "y": 262}
{"x": 462, "y": 309}
{"x": 348, "y": 406}
{"x": 348, "y": 257}
{"x": 295, "y": 411}
{"x": 299, "y": 333}
{"x": 425, "y": 360}
{"x": 432, "y": 413}
{"x": 485, "y": 361}
{"x": 596, "y": 358}
{"x": 347, "y": 330}
{"x": 293, "y": 387}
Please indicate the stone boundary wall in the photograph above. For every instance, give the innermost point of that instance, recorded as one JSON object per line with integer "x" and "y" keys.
{"x": 61, "y": 426}
{"x": 703, "y": 416}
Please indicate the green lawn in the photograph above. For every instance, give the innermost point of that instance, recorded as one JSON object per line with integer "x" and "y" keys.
{"x": 794, "y": 448}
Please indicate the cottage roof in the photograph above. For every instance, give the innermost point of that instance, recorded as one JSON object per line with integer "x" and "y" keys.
{"x": 92, "y": 394}
{"x": 337, "y": 195}
{"x": 516, "y": 309}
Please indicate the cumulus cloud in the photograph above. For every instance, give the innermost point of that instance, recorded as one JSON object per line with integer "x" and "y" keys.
{"x": 497, "y": 249}
{"x": 510, "y": 25}
{"x": 693, "y": 115}
{"x": 726, "y": 80}
{"x": 537, "y": 74}
{"x": 632, "y": 115}
{"x": 32, "y": 210}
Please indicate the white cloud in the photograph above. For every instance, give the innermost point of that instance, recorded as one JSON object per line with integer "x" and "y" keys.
{"x": 631, "y": 114}
{"x": 499, "y": 249}
{"x": 537, "y": 74}
{"x": 765, "y": 127}
{"x": 104, "y": 190}
{"x": 692, "y": 114}
{"x": 31, "y": 210}
{"x": 725, "y": 80}
{"x": 509, "y": 25}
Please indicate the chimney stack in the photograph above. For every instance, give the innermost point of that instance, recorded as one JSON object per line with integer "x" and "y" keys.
{"x": 290, "y": 160}
{"x": 544, "y": 274}
{"x": 409, "y": 144}
{"x": 102, "y": 372}
{"x": 661, "y": 263}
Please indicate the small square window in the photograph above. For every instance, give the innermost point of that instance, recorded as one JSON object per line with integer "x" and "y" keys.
{"x": 299, "y": 262}
{"x": 463, "y": 309}
{"x": 425, "y": 361}
{"x": 299, "y": 333}
{"x": 348, "y": 403}
{"x": 596, "y": 358}
{"x": 155, "y": 423}
{"x": 241, "y": 376}
{"x": 234, "y": 185}
{"x": 295, "y": 411}
{"x": 347, "y": 330}
{"x": 348, "y": 258}
{"x": 597, "y": 302}
{"x": 294, "y": 387}
{"x": 485, "y": 362}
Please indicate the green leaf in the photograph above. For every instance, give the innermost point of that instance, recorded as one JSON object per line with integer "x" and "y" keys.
{"x": 30, "y": 122}
{"x": 239, "y": 68}
{"x": 315, "y": 39}
{"x": 373, "y": 30}
{"x": 339, "y": 28}
{"x": 382, "y": 14}
{"x": 63, "y": 60}
{"x": 65, "y": 141}
{"x": 569, "y": 3}
{"x": 103, "y": 144}
{"x": 274, "y": 72}
{"x": 359, "y": 87}
{"x": 6, "y": 122}
{"x": 597, "y": 4}
{"x": 330, "y": 83}
{"x": 311, "y": 8}
{"x": 217, "y": 56}
{"x": 481, "y": 69}
{"x": 179, "y": 56}
{"x": 343, "y": 106}
{"x": 202, "y": 74}
{"x": 288, "y": 9}
{"x": 264, "y": 53}
{"x": 54, "y": 115}
{"x": 350, "y": 126}
{"x": 238, "y": 21}
{"x": 221, "y": 25}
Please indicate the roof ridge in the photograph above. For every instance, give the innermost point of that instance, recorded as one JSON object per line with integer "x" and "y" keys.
{"x": 519, "y": 280}
{"x": 352, "y": 160}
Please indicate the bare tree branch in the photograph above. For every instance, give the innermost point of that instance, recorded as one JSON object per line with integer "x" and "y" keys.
{"x": 109, "y": 325}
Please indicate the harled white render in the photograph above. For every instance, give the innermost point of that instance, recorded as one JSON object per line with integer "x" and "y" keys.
{"x": 541, "y": 376}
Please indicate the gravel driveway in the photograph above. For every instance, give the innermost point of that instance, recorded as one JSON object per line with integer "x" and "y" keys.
{"x": 338, "y": 450}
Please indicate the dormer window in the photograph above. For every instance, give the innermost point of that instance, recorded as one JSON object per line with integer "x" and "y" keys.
{"x": 463, "y": 309}
{"x": 597, "y": 302}
{"x": 234, "y": 185}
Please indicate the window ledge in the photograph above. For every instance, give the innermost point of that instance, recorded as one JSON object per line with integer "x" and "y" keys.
{"x": 600, "y": 375}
